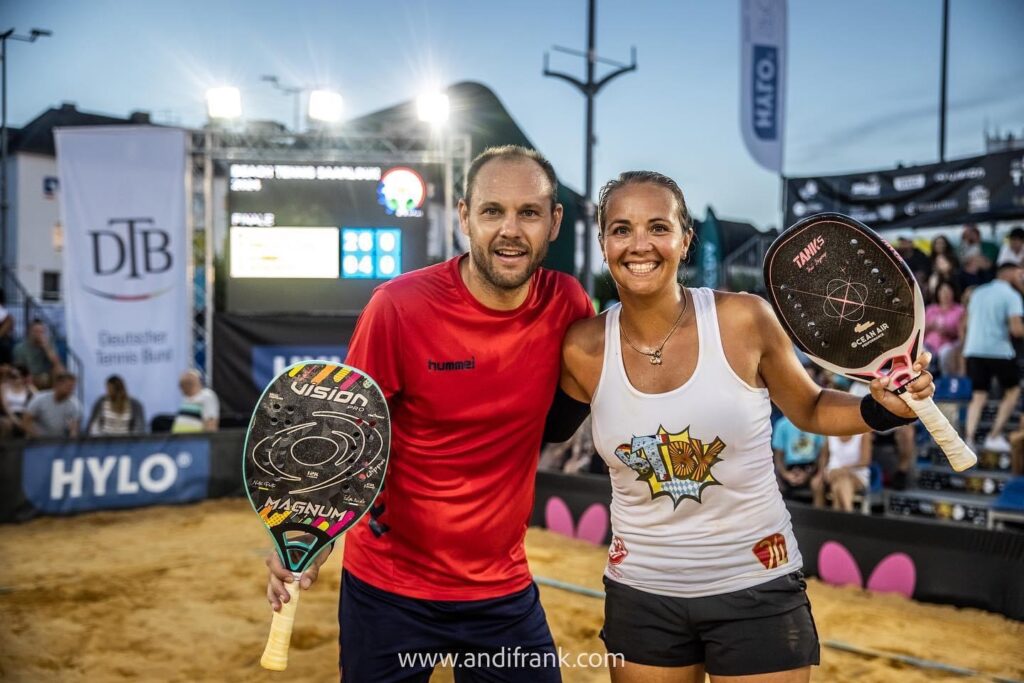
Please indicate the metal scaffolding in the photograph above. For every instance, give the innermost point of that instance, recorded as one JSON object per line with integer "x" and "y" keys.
{"x": 211, "y": 147}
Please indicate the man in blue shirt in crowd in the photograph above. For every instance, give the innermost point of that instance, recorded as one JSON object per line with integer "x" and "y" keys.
{"x": 796, "y": 459}
{"x": 993, "y": 315}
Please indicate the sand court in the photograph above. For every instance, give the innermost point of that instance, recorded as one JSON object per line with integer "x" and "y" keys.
{"x": 176, "y": 594}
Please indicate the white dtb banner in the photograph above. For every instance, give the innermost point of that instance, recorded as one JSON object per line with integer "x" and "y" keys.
{"x": 763, "y": 79}
{"x": 126, "y": 298}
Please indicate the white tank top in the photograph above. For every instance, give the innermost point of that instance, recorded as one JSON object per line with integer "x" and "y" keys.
{"x": 845, "y": 453}
{"x": 696, "y": 509}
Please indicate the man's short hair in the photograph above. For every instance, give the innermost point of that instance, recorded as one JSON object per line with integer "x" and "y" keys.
{"x": 1006, "y": 265}
{"x": 63, "y": 376}
{"x": 1017, "y": 233}
{"x": 510, "y": 153}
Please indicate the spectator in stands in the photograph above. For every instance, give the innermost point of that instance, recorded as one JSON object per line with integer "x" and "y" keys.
{"x": 55, "y": 412}
{"x": 796, "y": 459}
{"x": 574, "y": 456}
{"x": 200, "y": 408}
{"x": 944, "y": 269}
{"x": 1013, "y": 247}
{"x": 942, "y": 328}
{"x": 6, "y": 332}
{"x": 974, "y": 262}
{"x": 903, "y": 437}
{"x": 16, "y": 391}
{"x": 993, "y": 316}
{"x": 941, "y": 245}
{"x": 37, "y": 354}
{"x": 116, "y": 412}
{"x": 845, "y": 461}
{"x": 919, "y": 263}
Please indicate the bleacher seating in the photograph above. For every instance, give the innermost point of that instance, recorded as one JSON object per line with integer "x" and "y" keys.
{"x": 937, "y": 492}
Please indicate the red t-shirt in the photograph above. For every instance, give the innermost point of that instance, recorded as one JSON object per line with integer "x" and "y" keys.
{"x": 468, "y": 389}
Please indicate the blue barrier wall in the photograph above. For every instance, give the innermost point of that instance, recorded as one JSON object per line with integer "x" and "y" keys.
{"x": 954, "y": 565}
{"x": 53, "y": 477}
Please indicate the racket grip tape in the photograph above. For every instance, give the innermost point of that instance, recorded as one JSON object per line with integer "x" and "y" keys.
{"x": 275, "y": 655}
{"x": 958, "y": 453}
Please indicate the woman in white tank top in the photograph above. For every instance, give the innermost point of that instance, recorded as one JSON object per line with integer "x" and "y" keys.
{"x": 703, "y": 572}
{"x": 846, "y": 467}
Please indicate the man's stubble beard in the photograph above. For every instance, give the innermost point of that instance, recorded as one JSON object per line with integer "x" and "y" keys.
{"x": 481, "y": 259}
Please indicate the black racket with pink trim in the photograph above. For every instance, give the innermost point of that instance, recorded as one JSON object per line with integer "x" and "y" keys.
{"x": 314, "y": 462}
{"x": 848, "y": 301}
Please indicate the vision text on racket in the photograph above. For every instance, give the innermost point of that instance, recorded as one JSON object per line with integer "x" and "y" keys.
{"x": 357, "y": 401}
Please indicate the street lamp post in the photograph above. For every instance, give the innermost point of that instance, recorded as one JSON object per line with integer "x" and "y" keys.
{"x": 589, "y": 88}
{"x": 30, "y": 38}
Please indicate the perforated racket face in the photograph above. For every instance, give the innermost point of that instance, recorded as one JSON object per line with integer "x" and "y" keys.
{"x": 845, "y": 297}
{"x": 315, "y": 456}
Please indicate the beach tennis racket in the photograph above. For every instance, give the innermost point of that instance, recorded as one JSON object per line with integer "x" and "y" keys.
{"x": 849, "y": 302}
{"x": 314, "y": 461}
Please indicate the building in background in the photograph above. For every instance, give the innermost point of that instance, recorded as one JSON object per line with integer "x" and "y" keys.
{"x": 35, "y": 237}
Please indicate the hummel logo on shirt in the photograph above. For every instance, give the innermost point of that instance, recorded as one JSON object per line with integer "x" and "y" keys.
{"x": 450, "y": 365}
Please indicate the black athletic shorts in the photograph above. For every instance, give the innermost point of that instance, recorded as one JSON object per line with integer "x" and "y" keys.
{"x": 982, "y": 370}
{"x": 763, "y": 629}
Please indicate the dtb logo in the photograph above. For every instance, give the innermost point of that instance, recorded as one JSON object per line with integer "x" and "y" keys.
{"x": 133, "y": 248}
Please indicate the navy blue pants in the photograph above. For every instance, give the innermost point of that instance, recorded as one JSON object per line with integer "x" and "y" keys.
{"x": 386, "y": 638}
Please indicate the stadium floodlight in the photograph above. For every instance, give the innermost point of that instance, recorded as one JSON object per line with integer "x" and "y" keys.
{"x": 432, "y": 108}
{"x": 325, "y": 105}
{"x": 224, "y": 103}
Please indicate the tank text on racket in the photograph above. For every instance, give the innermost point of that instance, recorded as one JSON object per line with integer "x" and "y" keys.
{"x": 808, "y": 252}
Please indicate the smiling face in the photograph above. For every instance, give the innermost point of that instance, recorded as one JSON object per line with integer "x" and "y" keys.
{"x": 643, "y": 239}
{"x": 509, "y": 221}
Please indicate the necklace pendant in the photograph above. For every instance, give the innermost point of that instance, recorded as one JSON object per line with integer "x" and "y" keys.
{"x": 656, "y": 357}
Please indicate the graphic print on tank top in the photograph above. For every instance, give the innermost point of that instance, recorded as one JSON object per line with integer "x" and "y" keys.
{"x": 677, "y": 464}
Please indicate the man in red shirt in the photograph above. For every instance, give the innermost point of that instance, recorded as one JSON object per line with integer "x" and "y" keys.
{"x": 467, "y": 354}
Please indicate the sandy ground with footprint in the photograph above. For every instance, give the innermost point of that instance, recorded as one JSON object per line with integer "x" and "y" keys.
{"x": 176, "y": 594}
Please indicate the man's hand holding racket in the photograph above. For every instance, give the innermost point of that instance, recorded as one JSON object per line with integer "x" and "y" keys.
{"x": 277, "y": 590}
{"x": 314, "y": 461}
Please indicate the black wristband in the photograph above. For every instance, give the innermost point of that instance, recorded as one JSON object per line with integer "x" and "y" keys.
{"x": 565, "y": 416}
{"x": 879, "y": 418}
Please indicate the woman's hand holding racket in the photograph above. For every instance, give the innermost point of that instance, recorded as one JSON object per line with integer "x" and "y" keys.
{"x": 920, "y": 388}
{"x": 848, "y": 301}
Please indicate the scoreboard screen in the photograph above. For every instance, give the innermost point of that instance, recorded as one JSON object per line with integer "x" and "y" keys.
{"x": 319, "y": 237}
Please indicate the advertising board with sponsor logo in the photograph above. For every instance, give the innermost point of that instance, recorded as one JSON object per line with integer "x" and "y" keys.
{"x": 984, "y": 188}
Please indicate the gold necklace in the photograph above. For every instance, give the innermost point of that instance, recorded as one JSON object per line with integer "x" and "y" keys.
{"x": 655, "y": 355}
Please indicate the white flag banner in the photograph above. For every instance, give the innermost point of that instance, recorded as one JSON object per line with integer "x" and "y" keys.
{"x": 126, "y": 295}
{"x": 763, "y": 79}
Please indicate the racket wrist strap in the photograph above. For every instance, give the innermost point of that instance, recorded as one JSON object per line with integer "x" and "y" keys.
{"x": 879, "y": 418}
